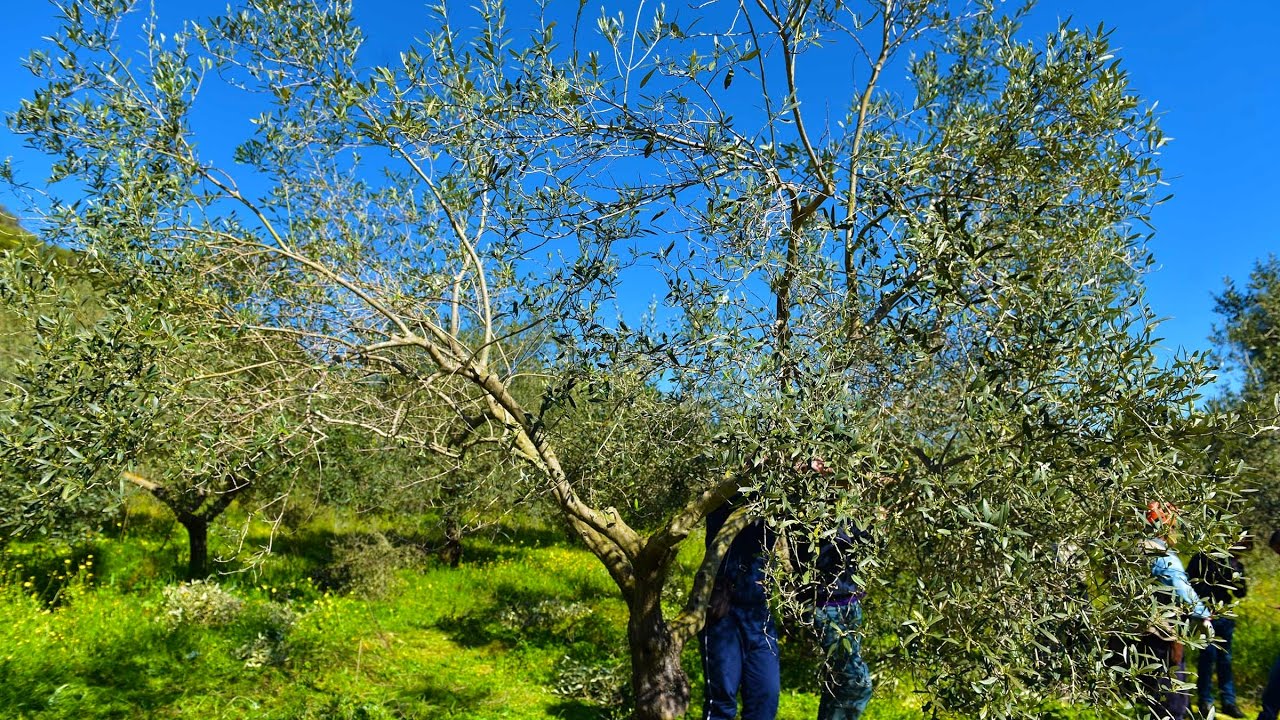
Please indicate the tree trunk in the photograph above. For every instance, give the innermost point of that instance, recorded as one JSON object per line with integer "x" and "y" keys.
{"x": 198, "y": 537}
{"x": 660, "y": 684}
{"x": 451, "y": 551}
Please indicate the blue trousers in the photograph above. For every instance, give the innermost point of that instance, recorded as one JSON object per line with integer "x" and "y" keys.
{"x": 1271, "y": 695}
{"x": 740, "y": 653}
{"x": 846, "y": 679}
{"x": 1217, "y": 656}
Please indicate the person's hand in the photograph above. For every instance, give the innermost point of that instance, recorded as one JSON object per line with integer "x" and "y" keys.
{"x": 814, "y": 465}
{"x": 1207, "y": 625}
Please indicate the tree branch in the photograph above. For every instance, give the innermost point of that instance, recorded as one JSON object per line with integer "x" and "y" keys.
{"x": 690, "y": 619}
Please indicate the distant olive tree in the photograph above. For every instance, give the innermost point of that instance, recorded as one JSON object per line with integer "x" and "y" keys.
{"x": 934, "y": 286}
{"x": 1248, "y": 343}
{"x": 131, "y": 395}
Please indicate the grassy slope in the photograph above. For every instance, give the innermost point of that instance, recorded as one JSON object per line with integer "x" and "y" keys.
{"x": 11, "y": 233}
{"x": 488, "y": 640}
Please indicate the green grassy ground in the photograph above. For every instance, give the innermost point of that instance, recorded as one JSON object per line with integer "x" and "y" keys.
{"x": 527, "y": 627}
{"x": 87, "y": 634}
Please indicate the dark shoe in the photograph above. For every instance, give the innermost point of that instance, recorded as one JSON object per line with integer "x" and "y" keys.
{"x": 1206, "y": 709}
{"x": 1230, "y": 710}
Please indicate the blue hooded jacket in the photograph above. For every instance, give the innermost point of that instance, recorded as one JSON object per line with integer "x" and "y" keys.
{"x": 1167, "y": 568}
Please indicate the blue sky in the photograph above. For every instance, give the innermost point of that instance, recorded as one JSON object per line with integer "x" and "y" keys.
{"x": 1214, "y": 72}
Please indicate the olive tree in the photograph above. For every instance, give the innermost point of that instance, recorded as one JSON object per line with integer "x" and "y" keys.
{"x": 117, "y": 388}
{"x": 44, "y": 296}
{"x": 12, "y": 340}
{"x": 1248, "y": 342}
{"x": 220, "y": 438}
{"x": 933, "y": 283}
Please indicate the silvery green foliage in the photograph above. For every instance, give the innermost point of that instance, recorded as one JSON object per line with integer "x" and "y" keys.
{"x": 269, "y": 647}
{"x": 933, "y": 285}
{"x": 199, "y": 603}
{"x": 75, "y": 404}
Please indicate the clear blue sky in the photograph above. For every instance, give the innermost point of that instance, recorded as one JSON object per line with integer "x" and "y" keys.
{"x": 1212, "y": 67}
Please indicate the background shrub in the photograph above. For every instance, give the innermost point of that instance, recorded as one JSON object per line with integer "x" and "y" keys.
{"x": 365, "y": 564}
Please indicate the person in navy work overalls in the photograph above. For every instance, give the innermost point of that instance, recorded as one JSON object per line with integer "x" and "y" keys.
{"x": 1222, "y": 581}
{"x": 739, "y": 642}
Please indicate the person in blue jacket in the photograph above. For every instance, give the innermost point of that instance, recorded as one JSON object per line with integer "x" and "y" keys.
{"x": 739, "y": 642}
{"x": 1161, "y": 640}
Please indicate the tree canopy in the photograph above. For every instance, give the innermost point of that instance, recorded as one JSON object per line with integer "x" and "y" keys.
{"x": 935, "y": 286}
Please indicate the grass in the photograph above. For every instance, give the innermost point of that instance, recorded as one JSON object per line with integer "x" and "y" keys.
{"x": 88, "y": 633}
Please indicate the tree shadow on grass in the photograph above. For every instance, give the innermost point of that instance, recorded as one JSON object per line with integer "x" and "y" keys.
{"x": 313, "y": 545}
{"x": 509, "y": 542}
{"x": 144, "y": 518}
{"x": 51, "y": 568}
{"x": 519, "y": 616}
{"x": 119, "y": 679}
{"x": 579, "y": 710}
{"x": 431, "y": 532}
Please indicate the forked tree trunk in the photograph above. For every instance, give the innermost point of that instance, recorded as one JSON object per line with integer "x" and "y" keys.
{"x": 660, "y": 684}
{"x": 198, "y": 542}
{"x": 639, "y": 566}
{"x": 658, "y": 681}
{"x": 196, "y": 520}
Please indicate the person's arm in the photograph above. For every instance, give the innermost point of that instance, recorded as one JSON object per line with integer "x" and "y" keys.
{"x": 1172, "y": 574}
{"x": 1188, "y": 595}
